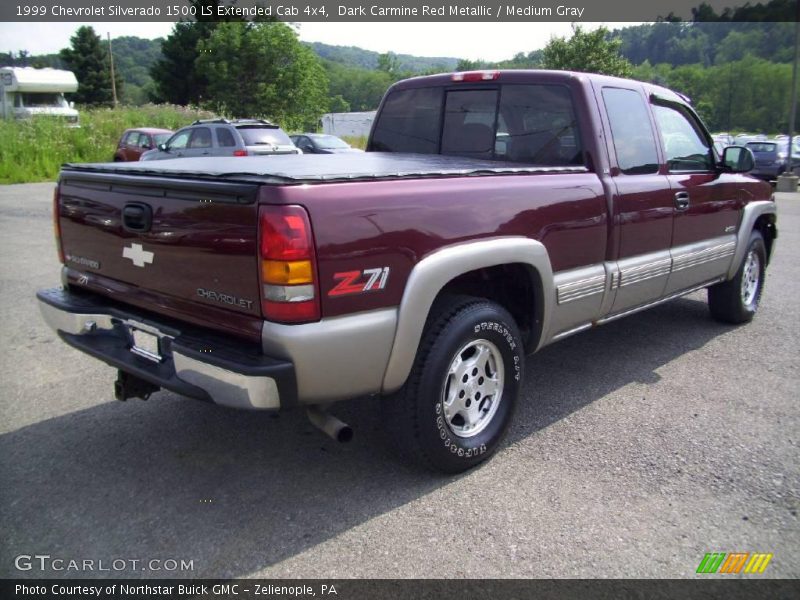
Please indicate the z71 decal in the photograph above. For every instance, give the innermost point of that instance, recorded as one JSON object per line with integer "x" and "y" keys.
{"x": 358, "y": 282}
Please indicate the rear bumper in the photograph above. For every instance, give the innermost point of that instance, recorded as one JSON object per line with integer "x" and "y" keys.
{"x": 194, "y": 362}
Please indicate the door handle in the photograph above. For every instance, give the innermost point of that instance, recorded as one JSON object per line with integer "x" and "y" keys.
{"x": 682, "y": 200}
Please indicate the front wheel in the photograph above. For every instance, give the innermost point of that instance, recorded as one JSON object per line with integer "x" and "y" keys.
{"x": 458, "y": 401}
{"x": 736, "y": 301}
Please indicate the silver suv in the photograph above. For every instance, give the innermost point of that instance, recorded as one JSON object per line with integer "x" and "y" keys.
{"x": 221, "y": 137}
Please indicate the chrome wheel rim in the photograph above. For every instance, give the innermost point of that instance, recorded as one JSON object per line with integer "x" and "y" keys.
{"x": 751, "y": 273}
{"x": 473, "y": 388}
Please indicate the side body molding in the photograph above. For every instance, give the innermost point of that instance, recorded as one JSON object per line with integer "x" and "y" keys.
{"x": 436, "y": 270}
{"x": 750, "y": 215}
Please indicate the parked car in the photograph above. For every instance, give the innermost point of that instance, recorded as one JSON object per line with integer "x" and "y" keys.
{"x": 772, "y": 158}
{"x": 135, "y": 142}
{"x": 321, "y": 143}
{"x": 221, "y": 137}
{"x": 744, "y": 138}
{"x": 724, "y": 138}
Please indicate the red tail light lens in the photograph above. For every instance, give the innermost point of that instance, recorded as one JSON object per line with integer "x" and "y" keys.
{"x": 240, "y": 152}
{"x": 287, "y": 265}
{"x": 57, "y": 226}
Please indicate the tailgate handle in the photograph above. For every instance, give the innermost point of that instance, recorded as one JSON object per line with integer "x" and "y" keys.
{"x": 137, "y": 217}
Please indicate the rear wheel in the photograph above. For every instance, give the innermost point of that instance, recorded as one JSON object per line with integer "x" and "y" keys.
{"x": 458, "y": 401}
{"x": 736, "y": 301}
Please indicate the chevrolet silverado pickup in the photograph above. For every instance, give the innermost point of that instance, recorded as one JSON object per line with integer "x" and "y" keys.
{"x": 493, "y": 213}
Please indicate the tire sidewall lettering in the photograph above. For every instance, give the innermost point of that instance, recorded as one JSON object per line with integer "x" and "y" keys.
{"x": 470, "y": 448}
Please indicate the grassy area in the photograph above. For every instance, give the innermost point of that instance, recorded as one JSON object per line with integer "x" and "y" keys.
{"x": 356, "y": 142}
{"x": 34, "y": 150}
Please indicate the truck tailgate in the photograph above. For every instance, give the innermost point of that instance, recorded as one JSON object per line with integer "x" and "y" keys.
{"x": 176, "y": 242}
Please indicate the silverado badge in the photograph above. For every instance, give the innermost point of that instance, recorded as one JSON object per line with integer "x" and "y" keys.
{"x": 138, "y": 255}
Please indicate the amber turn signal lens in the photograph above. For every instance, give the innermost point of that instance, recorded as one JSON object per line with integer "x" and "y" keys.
{"x": 286, "y": 272}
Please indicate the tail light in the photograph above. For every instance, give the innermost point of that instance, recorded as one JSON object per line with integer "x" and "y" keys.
{"x": 287, "y": 264}
{"x": 57, "y": 226}
{"x": 240, "y": 152}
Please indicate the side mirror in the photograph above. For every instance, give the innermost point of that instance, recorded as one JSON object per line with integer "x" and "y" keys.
{"x": 738, "y": 159}
{"x": 146, "y": 147}
{"x": 71, "y": 104}
{"x": 163, "y": 147}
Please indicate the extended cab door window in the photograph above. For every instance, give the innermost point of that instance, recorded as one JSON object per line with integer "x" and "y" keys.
{"x": 634, "y": 141}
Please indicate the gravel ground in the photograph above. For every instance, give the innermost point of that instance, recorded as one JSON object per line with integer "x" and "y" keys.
{"x": 638, "y": 447}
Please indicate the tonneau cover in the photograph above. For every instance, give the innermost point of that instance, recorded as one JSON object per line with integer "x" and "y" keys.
{"x": 318, "y": 168}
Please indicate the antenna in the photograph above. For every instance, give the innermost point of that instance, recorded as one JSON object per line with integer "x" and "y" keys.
{"x": 113, "y": 79}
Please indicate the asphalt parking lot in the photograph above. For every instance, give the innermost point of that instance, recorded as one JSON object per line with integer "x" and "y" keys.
{"x": 638, "y": 447}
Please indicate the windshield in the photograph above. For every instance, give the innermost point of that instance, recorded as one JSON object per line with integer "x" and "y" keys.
{"x": 161, "y": 138}
{"x": 330, "y": 142}
{"x": 762, "y": 147}
{"x": 260, "y": 136}
{"x": 40, "y": 100}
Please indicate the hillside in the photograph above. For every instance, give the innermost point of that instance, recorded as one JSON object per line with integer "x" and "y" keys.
{"x": 352, "y": 56}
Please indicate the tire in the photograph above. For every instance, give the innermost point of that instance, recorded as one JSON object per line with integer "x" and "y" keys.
{"x": 736, "y": 301}
{"x": 460, "y": 396}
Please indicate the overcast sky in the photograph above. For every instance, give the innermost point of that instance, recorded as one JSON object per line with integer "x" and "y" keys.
{"x": 489, "y": 41}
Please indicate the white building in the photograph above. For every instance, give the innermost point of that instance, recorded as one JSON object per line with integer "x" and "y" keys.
{"x": 352, "y": 124}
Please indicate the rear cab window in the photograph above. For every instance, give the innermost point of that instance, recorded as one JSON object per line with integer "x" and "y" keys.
{"x": 260, "y": 135}
{"x": 522, "y": 123}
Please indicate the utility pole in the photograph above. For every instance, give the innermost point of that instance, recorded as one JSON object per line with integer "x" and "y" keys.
{"x": 114, "y": 79}
{"x": 788, "y": 181}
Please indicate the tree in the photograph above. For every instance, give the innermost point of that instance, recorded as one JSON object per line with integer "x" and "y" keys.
{"x": 175, "y": 75}
{"x": 589, "y": 52}
{"x": 87, "y": 57}
{"x": 262, "y": 70}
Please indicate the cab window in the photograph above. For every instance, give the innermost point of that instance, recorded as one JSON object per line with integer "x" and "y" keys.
{"x": 685, "y": 146}
{"x": 632, "y": 134}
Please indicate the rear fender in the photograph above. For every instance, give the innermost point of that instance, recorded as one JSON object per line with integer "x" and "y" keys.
{"x": 436, "y": 270}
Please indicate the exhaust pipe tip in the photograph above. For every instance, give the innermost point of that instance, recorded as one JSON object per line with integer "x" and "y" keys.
{"x": 329, "y": 425}
{"x": 345, "y": 434}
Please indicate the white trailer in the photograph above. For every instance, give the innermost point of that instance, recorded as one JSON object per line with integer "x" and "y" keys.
{"x": 351, "y": 124}
{"x": 27, "y": 93}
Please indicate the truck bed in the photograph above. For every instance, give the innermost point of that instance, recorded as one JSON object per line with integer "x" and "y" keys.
{"x": 312, "y": 169}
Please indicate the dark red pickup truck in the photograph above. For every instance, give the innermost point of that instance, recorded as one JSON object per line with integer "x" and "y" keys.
{"x": 494, "y": 213}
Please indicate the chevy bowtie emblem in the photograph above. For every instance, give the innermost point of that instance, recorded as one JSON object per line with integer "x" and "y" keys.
{"x": 138, "y": 255}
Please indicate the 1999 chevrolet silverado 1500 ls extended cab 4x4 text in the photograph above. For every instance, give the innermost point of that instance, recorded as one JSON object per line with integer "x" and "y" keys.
{"x": 493, "y": 214}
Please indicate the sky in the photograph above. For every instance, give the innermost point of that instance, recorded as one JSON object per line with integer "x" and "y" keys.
{"x": 488, "y": 41}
